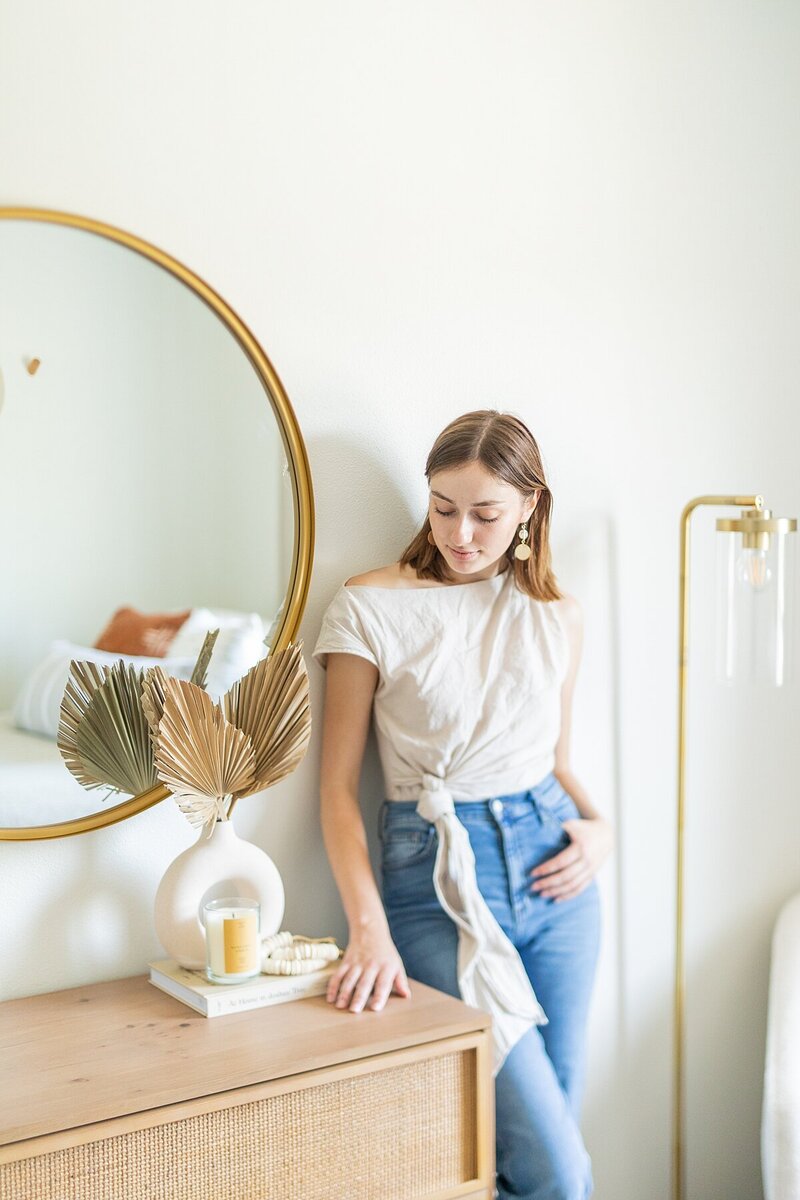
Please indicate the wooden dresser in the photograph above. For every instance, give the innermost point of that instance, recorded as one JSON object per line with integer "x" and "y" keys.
{"x": 116, "y": 1091}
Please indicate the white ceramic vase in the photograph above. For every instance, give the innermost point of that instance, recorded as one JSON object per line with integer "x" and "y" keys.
{"x": 216, "y": 866}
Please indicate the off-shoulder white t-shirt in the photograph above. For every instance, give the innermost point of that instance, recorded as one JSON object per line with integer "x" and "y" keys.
{"x": 470, "y": 681}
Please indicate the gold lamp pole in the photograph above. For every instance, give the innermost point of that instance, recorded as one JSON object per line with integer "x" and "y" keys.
{"x": 757, "y": 527}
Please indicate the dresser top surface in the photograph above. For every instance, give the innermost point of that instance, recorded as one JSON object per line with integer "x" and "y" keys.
{"x": 108, "y": 1049}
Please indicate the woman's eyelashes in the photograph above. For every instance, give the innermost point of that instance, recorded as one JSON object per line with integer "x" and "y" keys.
{"x": 483, "y": 520}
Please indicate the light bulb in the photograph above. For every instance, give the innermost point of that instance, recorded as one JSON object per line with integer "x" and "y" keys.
{"x": 752, "y": 569}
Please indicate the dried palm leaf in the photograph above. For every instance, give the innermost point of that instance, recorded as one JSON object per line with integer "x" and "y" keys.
{"x": 200, "y": 672}
{"x": 270, "y": 704}
{"x": 154, "y": 686}
{"x": 154, "y": 690}
{"x": 199, "y": 756}
{"x": 83, "y": 681}
{"x": 154, "y": 694}
{"x": 103, "y": 733}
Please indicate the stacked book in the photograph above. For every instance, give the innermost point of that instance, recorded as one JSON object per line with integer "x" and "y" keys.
{"x": 217, "y": 999}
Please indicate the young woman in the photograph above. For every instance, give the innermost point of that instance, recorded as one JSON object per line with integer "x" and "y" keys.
{"x": 466, "y": 653}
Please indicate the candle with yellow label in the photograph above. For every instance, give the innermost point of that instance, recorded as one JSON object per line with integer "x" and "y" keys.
{"x": 232, "y": 939}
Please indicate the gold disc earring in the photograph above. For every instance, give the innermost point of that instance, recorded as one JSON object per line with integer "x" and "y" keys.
{"x": 522, "y": 550}
{"x": 431, "y": 538}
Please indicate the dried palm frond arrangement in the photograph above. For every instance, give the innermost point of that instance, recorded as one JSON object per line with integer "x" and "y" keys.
{"x": 130, "y": 730}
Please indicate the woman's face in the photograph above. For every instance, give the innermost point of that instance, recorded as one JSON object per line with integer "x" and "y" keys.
{"x": 474, "y": 518}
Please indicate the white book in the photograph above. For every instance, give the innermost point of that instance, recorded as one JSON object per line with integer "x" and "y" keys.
{"x": 217, "y": 999}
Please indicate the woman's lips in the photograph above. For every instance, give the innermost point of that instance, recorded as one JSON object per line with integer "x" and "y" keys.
{"x": 464, "y": 554}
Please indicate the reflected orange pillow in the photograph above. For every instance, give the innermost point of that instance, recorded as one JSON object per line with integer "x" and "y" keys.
{"x": 132, "y": 632}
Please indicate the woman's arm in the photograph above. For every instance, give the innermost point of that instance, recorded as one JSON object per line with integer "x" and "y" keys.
{"x": 371, "y": 964}
{"x": 568, "y": 873}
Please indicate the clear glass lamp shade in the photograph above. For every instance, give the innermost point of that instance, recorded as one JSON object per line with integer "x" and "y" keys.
{"x": 755, "y": 598}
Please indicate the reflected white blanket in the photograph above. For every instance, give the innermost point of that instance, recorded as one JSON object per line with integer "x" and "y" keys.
{"x": 35, "y": 786}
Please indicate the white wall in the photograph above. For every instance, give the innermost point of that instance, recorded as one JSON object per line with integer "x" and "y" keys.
{"x": 584, "y": 212}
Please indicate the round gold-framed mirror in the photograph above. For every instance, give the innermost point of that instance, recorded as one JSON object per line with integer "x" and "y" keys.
{"x": 110, "y": 320}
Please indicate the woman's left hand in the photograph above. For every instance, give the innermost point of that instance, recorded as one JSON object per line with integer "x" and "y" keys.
{"x": 567, "y": 873}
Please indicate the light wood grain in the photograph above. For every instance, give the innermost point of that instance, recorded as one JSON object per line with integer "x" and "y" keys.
{"x": 473, "y": 1043}
{"x": 100, "y": 1052}
{"x": 404, "y": 1129}
{"x": 485, "y": 1116}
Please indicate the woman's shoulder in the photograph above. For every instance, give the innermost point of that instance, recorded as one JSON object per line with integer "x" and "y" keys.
{"x": 393, "y": 577}
{"x": 569, "y": 613}
{"x": 569, "y": 608}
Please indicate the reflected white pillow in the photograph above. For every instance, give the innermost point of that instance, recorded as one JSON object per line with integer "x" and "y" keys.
{"x": 239, "y": 647}
{"x": 37, "y": 707}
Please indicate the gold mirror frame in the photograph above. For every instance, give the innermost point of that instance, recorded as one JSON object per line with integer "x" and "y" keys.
{"x": 302, "y": 493}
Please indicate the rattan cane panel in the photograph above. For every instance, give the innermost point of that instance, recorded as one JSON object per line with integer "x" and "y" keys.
{"x": 395, "y": 1134}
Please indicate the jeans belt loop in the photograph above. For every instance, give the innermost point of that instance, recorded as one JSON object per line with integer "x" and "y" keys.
{"x": 537, "y": 808}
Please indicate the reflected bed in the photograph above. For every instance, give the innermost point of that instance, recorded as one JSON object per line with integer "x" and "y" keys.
{"x": 35, "y": 786}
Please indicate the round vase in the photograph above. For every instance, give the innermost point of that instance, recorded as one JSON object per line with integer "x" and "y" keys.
{"x": 216, "y": 866}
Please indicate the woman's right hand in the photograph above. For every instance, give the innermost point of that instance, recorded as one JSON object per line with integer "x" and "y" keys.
{"x": 370, "y": 967}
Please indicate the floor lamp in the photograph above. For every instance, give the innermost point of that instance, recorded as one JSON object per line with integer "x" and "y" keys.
{"x": 754, "y": 585}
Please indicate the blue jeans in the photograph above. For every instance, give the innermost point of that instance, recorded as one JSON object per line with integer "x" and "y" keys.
{"x": 540, "y": 1152}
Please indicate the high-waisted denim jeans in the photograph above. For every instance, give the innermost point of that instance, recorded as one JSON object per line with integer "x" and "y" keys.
{"x": 540, "y": 1152}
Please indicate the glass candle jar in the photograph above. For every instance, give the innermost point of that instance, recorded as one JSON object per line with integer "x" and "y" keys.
{"x": 232, "y": 946}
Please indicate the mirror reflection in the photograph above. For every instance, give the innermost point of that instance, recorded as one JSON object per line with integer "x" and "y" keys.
{"x": 144, "y": 492}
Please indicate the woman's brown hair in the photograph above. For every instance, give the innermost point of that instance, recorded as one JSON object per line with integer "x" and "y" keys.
{"x": 507, "y": 449}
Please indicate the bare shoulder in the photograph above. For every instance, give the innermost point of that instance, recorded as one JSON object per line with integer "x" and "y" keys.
{"x": 570, "y": 612}
{"x": 391, "y": 576}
